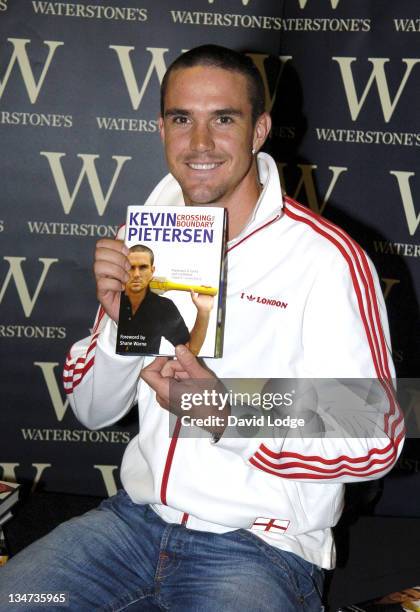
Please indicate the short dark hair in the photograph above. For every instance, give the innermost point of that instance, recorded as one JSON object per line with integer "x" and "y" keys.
{"x": 141, "y": 248}
{"x": 228, "y": 59}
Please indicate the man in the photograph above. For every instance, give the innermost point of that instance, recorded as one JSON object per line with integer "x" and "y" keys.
{"x": 227, "y": 523}
{"x": 155, "y": 316}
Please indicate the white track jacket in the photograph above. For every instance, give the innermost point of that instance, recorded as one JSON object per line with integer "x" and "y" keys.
{"x": 331, "y": 322}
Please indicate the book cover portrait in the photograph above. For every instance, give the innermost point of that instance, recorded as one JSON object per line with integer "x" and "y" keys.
{"x": 173, "y": 295}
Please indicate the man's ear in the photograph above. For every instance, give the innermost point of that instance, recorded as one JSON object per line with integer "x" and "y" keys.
{"x": 261, "y": 131}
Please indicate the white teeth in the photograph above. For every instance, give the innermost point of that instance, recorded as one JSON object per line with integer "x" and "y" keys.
{"x": 203, "y": 166}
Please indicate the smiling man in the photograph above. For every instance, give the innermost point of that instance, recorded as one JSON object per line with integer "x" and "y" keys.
{"x": 219, "y": 523}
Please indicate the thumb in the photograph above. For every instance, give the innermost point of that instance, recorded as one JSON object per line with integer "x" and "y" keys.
{"x": 156, "y": 366}
{"x": 189, "y": 362}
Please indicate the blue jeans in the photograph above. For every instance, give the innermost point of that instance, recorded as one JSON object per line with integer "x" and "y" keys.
{"x": 122, "y": 556}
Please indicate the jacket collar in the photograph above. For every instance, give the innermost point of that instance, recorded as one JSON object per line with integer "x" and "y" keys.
{"x": 168, "y": 193}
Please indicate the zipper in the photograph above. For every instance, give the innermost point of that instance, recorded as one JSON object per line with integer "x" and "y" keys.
{"x": 175, "y": 436}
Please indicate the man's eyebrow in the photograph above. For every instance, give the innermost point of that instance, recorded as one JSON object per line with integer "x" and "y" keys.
{"x": 228, "y": 111}
{"x": 171, "y": 112}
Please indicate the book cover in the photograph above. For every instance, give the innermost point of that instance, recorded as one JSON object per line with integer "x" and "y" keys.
{"x": 407, "y": 600}
{"x": 175, "y": 291}
{"x": 9, "y": 495}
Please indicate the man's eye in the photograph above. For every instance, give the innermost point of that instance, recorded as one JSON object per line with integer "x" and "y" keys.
{"x": 225, "y": 119}
{"x": 180, "y": 119}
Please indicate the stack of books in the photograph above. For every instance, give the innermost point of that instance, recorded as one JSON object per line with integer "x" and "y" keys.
{"x": 9, "y": 495}
{"x": 407, "y": 600}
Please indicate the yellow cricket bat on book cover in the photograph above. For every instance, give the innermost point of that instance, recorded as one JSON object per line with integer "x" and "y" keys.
{"x": 174, "y": 294}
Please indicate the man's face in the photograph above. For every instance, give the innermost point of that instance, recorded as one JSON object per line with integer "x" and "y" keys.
{"x": 141, "y": 272}
{"x": 208, "y": 133}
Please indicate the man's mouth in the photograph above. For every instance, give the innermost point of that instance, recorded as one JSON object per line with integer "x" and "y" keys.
{"x": 204, "y": 166}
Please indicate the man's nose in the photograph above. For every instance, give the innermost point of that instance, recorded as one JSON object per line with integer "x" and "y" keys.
{"x": 201, "y": 138}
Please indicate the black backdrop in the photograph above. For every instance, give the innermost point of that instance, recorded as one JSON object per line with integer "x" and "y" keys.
{"x": 79, "y": 90}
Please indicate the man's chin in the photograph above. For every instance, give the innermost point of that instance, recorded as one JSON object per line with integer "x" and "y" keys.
{"x": 201, "y": 198}
{"x": 135, "y": 289}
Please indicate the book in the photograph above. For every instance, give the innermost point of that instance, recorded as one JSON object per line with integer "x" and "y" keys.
{"x": 407, "y": 600}
{"x": 4, "y": 553}
{"x": 5, "y": 517}
{"x": 175, "y": 291}
{"x": 9, "y": 495}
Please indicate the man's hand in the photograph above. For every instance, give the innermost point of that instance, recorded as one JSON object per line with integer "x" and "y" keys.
{"x": 110, "y": 267}
{"x": 170, "y": 379}
{"x": 163, "y": 374}
{"x": 203, "y": 303}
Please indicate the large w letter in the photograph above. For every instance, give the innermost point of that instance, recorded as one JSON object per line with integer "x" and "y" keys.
{"x": 21, "y": 56}
{"x": 157, "y": 63}
{"x": 259, "y": 61}
{"x": 377, "y": 75}
{"x": 307, "y": 182}
{"x": 88, "y": 169}
{"x": 15, "y": 272}
{"x": 403, "y": 179}
{"x": 59, "y": 406}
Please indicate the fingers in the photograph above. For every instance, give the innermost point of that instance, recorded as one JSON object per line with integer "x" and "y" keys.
{"x": 167, "y": 368}
{"x": 170, "y": 379}
{"x": 194, "y": 298}
{"x": 172, "y": 369}
{"x": 111, "y": 260}
{"x": 152, "y": 375}
{"x": 181, "y": 375}
{"x": 111, "y": 249}
{"x": 208, "y": 301}
{"x": 110, "y": 267}
{"x": 161, "y": 373}
{"x": 155, "y": 366}
{"x": 153, "y": 378}
{"x": 110, "y": 271}
{"x": 202, "y": 301}
{"x": 112, "y": 244}
{"x": 190, "y": 363}
{"x": 105, "y": 284}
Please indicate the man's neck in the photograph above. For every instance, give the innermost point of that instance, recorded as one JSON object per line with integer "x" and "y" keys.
{"x": 239, "y": 214}
{"x": 136, "y": 299}
{"x": 240, "y": 204}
